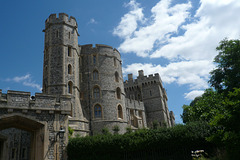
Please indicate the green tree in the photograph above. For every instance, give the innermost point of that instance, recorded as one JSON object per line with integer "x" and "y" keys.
{"x": 221, "y": 107}
{"x": 203, "y": 108}
{"x": 227, "y": 122}
{"x": 226, "y": 76}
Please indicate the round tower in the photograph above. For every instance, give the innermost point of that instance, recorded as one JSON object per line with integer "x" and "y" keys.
{"x": 103, "y": 88}
{"x": 61, "y": 60}
{"x": 60, "y": 55}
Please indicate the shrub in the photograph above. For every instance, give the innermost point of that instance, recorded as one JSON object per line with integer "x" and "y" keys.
{"x": 105, "y": 131}
{"x": 177, "y": 141}
{"x": 116, "y": 129}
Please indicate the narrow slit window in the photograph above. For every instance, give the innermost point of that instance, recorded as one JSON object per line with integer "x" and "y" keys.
{"x": 118, "y": 93}
{"x": 70, "y": 87}
{"x": 116, "y": 77}
{"x": 69, "y": 69}
{"x": 95, "y": 75}
{"x": 69, "y": 52}
{"x": 120, "y": 112}
{"x": 96, "y": 92}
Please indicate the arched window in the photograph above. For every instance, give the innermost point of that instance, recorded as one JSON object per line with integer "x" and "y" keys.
{"x": 70, "y": 87}
{"x": 96, "y": 92}
{"x": 95, "y": 75}
{"x": 116, "y": 77}
{"x": 97, "y": 111}
{"x": 118, "y": 90}
{"x": 120, "y": 112}
{"x": 69, "y": 69}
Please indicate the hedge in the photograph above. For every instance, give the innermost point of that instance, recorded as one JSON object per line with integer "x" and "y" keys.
{"x": 164, "y": 143}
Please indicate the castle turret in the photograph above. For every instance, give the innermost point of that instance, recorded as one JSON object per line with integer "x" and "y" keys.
{"x": 102, "y": 87}
{"x": 60, "y": 55}
{"x": 150, "y": 91}
{"x": 61, "y": 61}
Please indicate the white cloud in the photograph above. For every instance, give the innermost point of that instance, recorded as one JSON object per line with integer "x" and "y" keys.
{"x": 142, "y": 39}
{"x": 193, "y": 94}
{"x": 172, "y": 32}
{"x": 214, "y": 21}
{"x": 128, "y": 23}
{"x": 25, "y": 80}
{"x": 92, "y": 21}
{"x": 192, "y": 73}
{"x": 19, "y": 79}
{"x": 158, "y": 37}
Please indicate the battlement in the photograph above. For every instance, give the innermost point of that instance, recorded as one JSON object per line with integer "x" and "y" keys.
{"x": 62, "y": 18}
{"x": 24, "y": 101}
{"x": 143, "y": 79}
{"x": 99, "y": 48}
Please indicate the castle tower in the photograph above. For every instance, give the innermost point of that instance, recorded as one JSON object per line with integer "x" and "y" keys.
{"x": 61, "y": 61}
{"x": 60, "y": 55}
{"x": 150, "y": 91}
{"x": 102, "y": 87}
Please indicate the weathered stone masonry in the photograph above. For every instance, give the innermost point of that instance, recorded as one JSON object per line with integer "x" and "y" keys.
{"x": 41, "y": 117}
{"x": 82, "y": 88}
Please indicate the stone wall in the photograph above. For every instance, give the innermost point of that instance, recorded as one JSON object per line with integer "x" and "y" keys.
{"x": 150, "y": 91}
{"x": 105, "y": 63}
{"x": 42, "y": 116}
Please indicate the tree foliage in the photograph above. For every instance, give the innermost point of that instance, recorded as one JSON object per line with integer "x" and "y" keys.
{"x": 228, "y": 133}
{"x": 203, "y": 108}
{"x": 221, "y": 107}
{"x": 226, "y": 76}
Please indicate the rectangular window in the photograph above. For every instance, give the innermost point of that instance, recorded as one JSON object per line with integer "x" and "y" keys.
{"x": 69, "y": 52}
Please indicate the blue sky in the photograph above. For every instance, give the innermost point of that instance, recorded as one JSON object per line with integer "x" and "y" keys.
{"x": 175, "y": 38}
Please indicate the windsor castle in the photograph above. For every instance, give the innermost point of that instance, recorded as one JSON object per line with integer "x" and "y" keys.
{"x": 82, "y": 88}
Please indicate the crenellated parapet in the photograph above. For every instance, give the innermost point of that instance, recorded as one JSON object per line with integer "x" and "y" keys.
{"x": 62, "y": 18}
{"x": 40, "y": 102}
{"x": 100, "y": 49}
{"x": 143, "y": 80}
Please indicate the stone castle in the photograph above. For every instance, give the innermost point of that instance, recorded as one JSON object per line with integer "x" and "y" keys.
{"x": 82, "y": 88}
